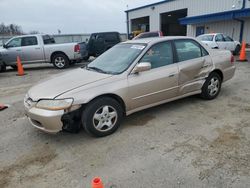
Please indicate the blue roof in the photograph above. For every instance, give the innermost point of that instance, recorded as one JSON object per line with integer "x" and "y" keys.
{"x": 150, "y": 5}
{"x": 227, "y": 15}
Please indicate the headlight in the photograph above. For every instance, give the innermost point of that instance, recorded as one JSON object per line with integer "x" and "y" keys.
{"x": 59, "y": 104}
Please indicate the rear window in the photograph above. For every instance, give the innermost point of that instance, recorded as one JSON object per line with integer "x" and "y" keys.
{"x": 228, "y": 39}
{"x": 187, "y": 49}
{"x": 206, "y": 38}
{"x": 48, "y": 39}
{"x": 111, "y": 37}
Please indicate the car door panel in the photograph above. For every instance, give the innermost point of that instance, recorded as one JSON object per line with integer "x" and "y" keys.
{"x": 192, "y": 74}
{"x": 194, "y": 64}
{"x": 32, "y": 52}
{"x": 157, "y": 84}
{"x": 153, "y": 86}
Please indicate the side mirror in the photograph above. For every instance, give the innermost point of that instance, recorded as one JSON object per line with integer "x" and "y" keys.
{"x": 141, "y": 67}
{"x": 5, "y": 46}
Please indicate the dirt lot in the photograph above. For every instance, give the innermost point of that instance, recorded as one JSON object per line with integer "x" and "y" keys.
{"x": 186, "y": 143}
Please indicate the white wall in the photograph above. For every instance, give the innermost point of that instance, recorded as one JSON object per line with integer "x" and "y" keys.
{"x": 246, "y": 36}
{"x": 195, "y": 8}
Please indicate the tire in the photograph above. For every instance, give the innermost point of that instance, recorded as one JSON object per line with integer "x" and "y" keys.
{"x": 86, "y": 58}
{"x": 2, "y": 67}
{"x": 106, "y": 113}
{"x": 60, "y": 61}
{"x": 237, "y": 50}
{"x": 14, "y": 67}
{"x": 211, "y": 87}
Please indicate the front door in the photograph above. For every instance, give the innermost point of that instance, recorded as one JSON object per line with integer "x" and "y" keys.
{"x": 12, "y": 50}
{"x": 158, "y": 84}
{"x": 32, "y": 52}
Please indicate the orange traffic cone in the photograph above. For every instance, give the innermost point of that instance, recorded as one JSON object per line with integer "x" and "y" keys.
{"x": 243, "y": 52}
{"x": 20, "y": 71}
{"x": 2, "y": 107}
{"x": 97, "y": 183}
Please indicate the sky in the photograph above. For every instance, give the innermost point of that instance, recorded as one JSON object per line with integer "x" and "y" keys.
{"x": 69, "y": 16}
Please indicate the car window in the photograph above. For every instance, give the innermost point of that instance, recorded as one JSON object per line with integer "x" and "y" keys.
{"x": 111, "y": 37}
{"x": 48, "y": 40}
{"x": 228, "y": 39}
{"x": 16, "y": 42}
{"x": 206, "y": 38}
{"x": 187, "y": 49}
{"x": 117, "y": 59}
{"x": 219, "y": 38}
{"x": 159, "y": 55}
{"x": 29, "y": 41}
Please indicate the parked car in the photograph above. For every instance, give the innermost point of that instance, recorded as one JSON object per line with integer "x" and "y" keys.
{"x": 130, "y": 77}
{"x": 2, "y": 67}
{"x": 39, "y": 49}
{"x": 148, "y": 35}
{"x": 99, "y": 43}
{"x": 220, "y": 41}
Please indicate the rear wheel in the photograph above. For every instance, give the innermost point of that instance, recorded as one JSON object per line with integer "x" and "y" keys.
{"x": 211, "y": 87}
{"x": 14, "y": 67}
{"x": 102, "y": 117}
{"x": 60, "y": 61}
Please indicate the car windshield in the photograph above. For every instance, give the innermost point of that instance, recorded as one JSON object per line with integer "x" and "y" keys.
{"x": 206, "y": 37}
{"x": 117, "y": 59}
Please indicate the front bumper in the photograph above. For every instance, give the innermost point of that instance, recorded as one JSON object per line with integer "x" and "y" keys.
{"x": 45, "y": 120}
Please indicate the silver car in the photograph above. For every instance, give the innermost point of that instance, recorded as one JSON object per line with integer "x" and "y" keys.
{"x": 129, "y": 77}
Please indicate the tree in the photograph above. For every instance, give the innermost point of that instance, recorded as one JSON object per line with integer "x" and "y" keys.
{"x": 11, "y": 29}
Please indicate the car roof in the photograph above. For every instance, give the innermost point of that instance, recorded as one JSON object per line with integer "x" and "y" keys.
{"x": 210, "y": 34}
{"x": 156, "y": 39}
{"x": 111, "y": 32}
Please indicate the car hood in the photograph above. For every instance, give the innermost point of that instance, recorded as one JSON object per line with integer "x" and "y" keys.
{"x": 63, "y": 83}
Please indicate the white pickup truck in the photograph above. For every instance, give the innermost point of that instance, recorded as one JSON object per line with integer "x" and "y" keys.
{"x": 38, "y": 49}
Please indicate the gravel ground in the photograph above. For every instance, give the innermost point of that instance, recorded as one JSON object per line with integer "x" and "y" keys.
{"x": 186, "y": 143}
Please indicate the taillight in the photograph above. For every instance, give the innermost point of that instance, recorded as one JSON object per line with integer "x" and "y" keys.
{"x": 77, "y": 48}
{"x": 232, "y": 59}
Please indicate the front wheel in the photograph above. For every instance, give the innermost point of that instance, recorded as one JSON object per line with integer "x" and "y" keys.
{"x": 2, "y": 67}
{"x": 211, "y": 87}
{"x": 60, "y": 61}
{"x": 102, "y": 117}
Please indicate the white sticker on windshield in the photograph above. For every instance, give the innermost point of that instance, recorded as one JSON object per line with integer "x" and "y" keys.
{"x": 138, "y": 47}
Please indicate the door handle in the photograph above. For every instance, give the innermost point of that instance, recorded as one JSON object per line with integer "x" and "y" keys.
{"x": 37, "y": 48}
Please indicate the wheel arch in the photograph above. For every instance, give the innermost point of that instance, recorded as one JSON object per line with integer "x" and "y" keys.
{"x": 219, "y": 72}
{"x": 57, "y": 52}
{"x": 113, "y": 96}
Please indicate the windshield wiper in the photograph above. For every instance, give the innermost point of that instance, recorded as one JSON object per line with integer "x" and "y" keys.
{"x": 96, "y": 69}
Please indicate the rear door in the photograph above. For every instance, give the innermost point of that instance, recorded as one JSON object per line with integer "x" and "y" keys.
{"x": 12, "y": 50}
{"x": 32, "y": 52}
{"x": 229, "y": 42}
{"x": 220, "y": 41}
{"x": 194, "y": 65}
{"x": 158, "y": 84}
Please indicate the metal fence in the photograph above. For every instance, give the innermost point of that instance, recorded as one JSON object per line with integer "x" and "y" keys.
{"x": 63, "y": 38}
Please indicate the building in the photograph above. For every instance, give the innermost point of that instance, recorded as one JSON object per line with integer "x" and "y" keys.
{"x": 193, "y": 17}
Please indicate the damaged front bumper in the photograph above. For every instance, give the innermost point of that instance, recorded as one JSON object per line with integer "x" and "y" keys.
{"x": 54, "y": 121}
